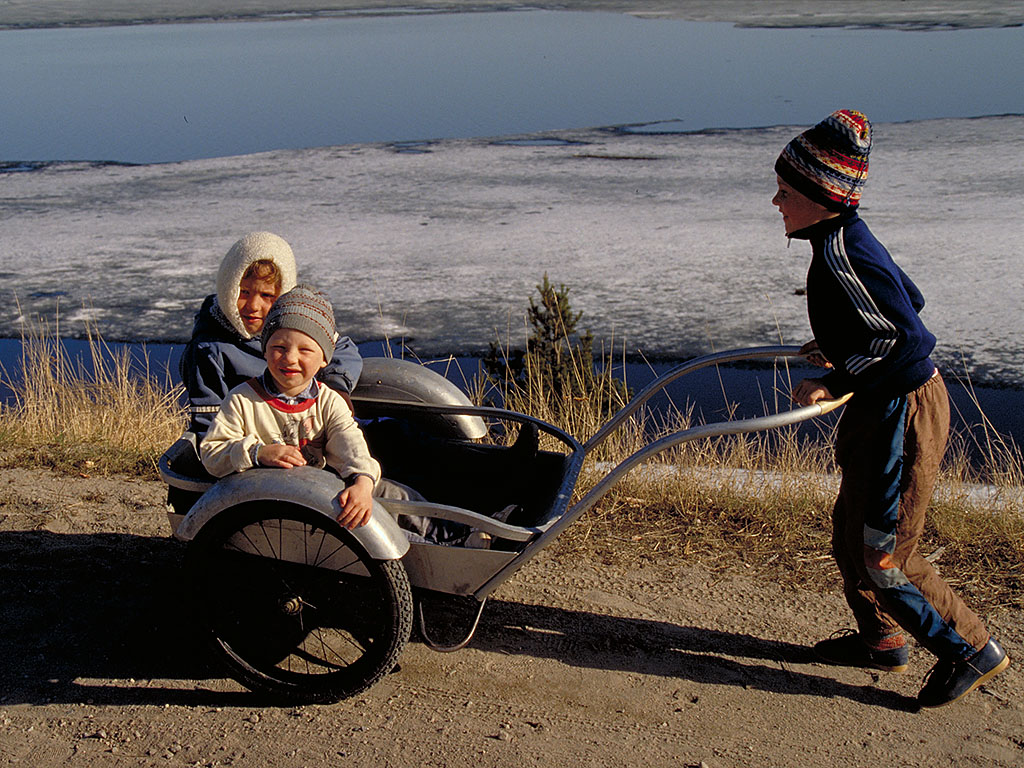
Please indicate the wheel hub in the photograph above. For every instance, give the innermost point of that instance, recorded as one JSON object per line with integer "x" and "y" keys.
{"x": 291, "y": 605}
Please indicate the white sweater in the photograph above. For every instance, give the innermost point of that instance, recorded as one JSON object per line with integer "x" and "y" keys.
{"x": 322, "y": 427}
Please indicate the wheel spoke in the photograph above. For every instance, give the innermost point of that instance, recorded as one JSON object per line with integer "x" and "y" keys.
{"x": 285, "y": 610}
{"x": 341, "y": 546}
{"x": 229, "y": 544}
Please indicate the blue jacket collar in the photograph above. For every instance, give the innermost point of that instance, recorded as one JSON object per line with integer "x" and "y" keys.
{"x": 825, "y": 227}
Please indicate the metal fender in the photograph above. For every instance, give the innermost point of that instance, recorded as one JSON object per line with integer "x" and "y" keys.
{"x": 308, "y": 487}
{"x": 386, "y": 378}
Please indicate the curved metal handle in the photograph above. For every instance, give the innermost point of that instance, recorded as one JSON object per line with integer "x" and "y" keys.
{"x": 558, "y": 523}
{"x": 716, "y": 358}
{"x": 827, "y": 406}
{"x": 755, "y": 424}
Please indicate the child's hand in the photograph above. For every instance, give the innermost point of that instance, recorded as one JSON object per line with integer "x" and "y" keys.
{"x": 812, "y": 352}
{"x": 356, "y": 503}
{"x": 277, "y": 455}
{"x": 810, "y": 391}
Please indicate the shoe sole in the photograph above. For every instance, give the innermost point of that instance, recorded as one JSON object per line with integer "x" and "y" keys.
{"x": 980, "y": 681}
{"x": 898, "y": 669}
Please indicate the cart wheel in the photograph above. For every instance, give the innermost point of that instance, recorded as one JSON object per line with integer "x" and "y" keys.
{"x": 293, "y": 605}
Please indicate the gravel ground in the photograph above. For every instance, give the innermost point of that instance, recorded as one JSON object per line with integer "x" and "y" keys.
{"x": 578, "y": 661}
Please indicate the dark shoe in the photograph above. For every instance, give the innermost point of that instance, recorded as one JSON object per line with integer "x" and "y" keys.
{"x": 950, "y": 681}
{"x": 846, "y": 649}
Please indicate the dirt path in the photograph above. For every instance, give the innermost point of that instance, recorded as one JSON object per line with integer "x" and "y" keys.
{"x": 577, "y": 662}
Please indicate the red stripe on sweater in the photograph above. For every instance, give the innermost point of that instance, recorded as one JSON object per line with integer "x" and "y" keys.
{"x": 278, "y": 404}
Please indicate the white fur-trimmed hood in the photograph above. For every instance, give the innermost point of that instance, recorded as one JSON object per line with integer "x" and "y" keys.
{"x": 256, "y": 246}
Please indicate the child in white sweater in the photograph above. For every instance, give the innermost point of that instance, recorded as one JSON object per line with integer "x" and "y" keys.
{"x": 285, "y": 418}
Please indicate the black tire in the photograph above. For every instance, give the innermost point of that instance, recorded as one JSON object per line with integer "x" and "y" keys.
{"x": 292, "y": 604}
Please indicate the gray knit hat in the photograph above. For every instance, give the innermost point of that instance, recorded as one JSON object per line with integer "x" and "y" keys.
{"x": 304, "y": 309}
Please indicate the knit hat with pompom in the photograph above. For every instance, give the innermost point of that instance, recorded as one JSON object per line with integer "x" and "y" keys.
{"x": 829, "y": 162}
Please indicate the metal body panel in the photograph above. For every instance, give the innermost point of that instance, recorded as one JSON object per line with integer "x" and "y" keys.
{"x": 388, "y": 379}
{"x": 312, "y": 488}
{"x": 494, "y": 527}
{"x": 185, "y": 450}
{"x": 453, "y": 570}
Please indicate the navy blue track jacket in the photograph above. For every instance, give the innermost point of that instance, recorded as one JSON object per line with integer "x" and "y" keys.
{"x": 863, "y": 311}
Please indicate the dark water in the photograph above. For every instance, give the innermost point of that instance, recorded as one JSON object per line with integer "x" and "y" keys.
{"x": 156, "y": 93}
{"x": 745, "y": 391}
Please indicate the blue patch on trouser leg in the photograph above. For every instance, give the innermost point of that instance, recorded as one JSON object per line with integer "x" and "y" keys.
{"x": 904, "y": 600}
{"x": 912, "y": 610}
{"x": 880, "y": 521}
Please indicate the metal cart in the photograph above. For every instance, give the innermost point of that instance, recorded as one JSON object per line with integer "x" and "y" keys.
{"x": 299, "y": 608}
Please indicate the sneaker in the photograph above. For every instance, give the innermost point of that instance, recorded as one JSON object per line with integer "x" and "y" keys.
{"x": 950, "y": 681}
{"x": 846, "y": 649}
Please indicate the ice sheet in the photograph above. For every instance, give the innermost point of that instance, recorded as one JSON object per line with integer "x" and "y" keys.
{"x": 669, "y": 243}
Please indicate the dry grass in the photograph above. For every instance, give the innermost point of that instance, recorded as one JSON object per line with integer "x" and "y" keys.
{"x": 583, "y": 406}
{"x": 99, "y": 415}
{"x": 727, "y": 516}
{"x": 757, "y": 498}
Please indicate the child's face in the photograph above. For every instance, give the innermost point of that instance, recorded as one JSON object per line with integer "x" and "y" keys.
{"x": 798, "y": 211}
{"x": 255, "y": 298}
{"x": 293, "y": 358}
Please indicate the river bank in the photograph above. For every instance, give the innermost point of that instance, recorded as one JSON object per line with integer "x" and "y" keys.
{"x": 907, "y": 14}
{"x": 713, "y": 394}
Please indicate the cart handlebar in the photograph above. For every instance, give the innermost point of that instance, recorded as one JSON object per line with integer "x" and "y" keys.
{"x": 555, "y": 525}
{"x": 755, "y": 424}
{"x": 716, "y": 358}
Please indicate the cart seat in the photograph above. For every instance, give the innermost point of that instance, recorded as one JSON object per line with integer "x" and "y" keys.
{"x": 479, "y": 477}
{"x": 183, "y": 471}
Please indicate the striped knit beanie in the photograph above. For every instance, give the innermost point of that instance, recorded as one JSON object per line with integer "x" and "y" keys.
{"x": 829, "y": 162}
{"x": 304, "y": 309}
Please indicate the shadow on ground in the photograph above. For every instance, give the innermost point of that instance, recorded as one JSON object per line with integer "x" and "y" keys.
{"x": 94, "y": 618}
{"x": 702, "y": 655}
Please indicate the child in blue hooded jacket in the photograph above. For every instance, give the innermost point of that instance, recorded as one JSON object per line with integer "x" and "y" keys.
{"x": 225, "y": 350}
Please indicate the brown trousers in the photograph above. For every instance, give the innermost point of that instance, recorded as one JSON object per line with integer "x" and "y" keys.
{"x": 890, "y": 455}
